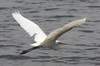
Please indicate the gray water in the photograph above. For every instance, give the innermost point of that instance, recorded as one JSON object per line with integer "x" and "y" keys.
{"x": 83, "y": 43}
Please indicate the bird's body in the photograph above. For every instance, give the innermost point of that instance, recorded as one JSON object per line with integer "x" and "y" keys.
{"x": 41, "y": 39}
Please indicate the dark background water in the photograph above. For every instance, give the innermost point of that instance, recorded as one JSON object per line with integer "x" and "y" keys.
{"x": 83, "y": 47}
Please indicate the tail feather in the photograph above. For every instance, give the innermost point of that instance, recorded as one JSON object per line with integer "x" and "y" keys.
{"x": 28, "y": 50}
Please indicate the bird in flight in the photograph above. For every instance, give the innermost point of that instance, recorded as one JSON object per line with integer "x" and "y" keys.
{"x": 40, "y": 38}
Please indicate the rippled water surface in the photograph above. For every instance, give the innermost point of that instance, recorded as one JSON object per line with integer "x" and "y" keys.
{"x": 83, "y": 43}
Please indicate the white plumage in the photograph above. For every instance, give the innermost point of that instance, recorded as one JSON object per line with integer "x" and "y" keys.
{"x": 31, "y": 28}
{"x": 42, "y": 40}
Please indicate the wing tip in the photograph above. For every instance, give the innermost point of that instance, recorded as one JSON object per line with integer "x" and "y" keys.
{"x": 77, "y": 23}
{"x": 84, "y": 19}
{"x": 15, "y": 13}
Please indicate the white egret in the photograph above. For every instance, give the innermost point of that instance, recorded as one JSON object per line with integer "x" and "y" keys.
{"x": 41, "y": 39}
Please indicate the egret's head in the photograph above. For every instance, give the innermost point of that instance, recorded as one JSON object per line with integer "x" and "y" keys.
{"x": 61, "y": 43}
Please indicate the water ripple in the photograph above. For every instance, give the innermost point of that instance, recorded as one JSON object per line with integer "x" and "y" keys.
{"x": 86, "y": 31}
{"x": 94, "y": 6}
{"x": 61, "y": 16}
{"x": 50, "y": 9}
{"x": 33, "y": 11}
{"x": 19, "y": 1}
{"x": 15, "y": 57}
{"x": 9, "y": 46}
{"x": 91, "y": 48}
{"x": 3, "y": 8}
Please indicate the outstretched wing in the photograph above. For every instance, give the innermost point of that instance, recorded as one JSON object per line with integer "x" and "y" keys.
{"x": 53, "y": 36}
{"x": 30, "y": 27}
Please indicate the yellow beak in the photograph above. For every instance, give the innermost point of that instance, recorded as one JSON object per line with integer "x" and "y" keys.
{"x": 62, "y": 43}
